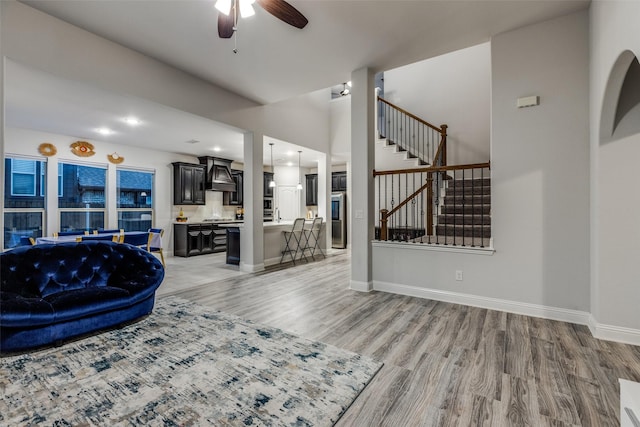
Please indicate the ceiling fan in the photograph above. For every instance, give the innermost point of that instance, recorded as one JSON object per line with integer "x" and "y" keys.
{"x": 229, "y": 10}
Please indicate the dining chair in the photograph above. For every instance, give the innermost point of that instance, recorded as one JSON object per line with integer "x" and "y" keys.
{"x": 109, "y": 231}
{"x": 107, "y": 237}
{"x": 140, "y": 240}
{"x": 71, "y": 233}
{"x": 26, "y": 241}
{"x": 155, "y": 242}
{"x": 294, "y": 237}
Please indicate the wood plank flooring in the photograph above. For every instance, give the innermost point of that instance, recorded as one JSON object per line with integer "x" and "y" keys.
{"x": 444, "y": 364}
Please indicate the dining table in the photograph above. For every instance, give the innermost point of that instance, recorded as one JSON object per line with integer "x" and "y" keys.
{"x": 156, "y": 239}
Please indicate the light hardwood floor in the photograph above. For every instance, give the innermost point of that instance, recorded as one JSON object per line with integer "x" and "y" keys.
{"x": 444, "y": 364}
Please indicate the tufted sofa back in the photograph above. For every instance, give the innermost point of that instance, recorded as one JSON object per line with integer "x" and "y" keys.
{"x": 41, "y": 270}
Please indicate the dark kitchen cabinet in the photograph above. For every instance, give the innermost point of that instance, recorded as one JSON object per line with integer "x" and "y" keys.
{"x": 234, "y": 198}
{"x": 268, "y": 191}
{"x": 188, "y": 184}
{"x": 198, "y": 239}
{"x": 339, "y": 181}
{"x": 311, "y": 189}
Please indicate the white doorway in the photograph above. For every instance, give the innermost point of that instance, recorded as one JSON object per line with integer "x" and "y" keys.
{"x": 288, "y": 202}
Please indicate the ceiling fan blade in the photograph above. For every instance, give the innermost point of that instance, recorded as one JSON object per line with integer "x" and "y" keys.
{"x": 225, "y": 25}
{"x": 284, "y": 11}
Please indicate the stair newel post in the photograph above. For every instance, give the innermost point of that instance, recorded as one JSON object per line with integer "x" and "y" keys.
{"x": 429, "y": 229}
{"x": 444, "y": 144}
{"x": 384, "y": 216}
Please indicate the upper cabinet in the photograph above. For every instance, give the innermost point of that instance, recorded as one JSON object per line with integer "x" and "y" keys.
{"x": 268, "y": 191}
{"x": 188, "y": 184}
{"x": 234, "y": 198}
{"x": 311, "y": 189}
{"x": 339, "y": 181}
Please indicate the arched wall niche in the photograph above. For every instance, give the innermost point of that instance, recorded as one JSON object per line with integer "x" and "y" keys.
{"x": 621, "y": 103}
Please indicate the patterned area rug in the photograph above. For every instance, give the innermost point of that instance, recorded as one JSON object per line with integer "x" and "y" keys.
{"x": 184, "y": 365}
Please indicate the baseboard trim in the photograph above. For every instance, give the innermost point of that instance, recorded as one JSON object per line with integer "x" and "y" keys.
{"x": 251, "y": 268}
{"x": 535, "y": 310}
{"x": 361, "y": 286}
{"x": 613, "y": 333}
{"x": 272, "y": 261}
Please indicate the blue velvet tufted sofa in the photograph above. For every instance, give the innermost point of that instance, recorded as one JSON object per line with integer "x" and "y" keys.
{"x": 49, "y": 293}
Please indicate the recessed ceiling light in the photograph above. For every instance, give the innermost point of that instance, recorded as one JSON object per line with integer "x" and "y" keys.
{"x": 132, "y": 121}
{"x": 104, "y": 131}
{"x": 217, "y": 149}
{"x": 289, "y": 163}
{"x": 290, "y": 153}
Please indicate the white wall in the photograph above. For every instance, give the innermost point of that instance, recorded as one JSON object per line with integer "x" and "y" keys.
{"x": 540, "y": 190}
{"x": 25, "y": 142}
{"x": 615, "y": 207}
{"x": 454, "y": 89}
{"x": 34, "y": 38}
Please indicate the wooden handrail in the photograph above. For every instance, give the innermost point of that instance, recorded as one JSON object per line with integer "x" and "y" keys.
{"x": 442, "y": 147}
{"x": 409, "y": 198}
{"x": 433, "y": 169}
{"x": 412, "y": 115}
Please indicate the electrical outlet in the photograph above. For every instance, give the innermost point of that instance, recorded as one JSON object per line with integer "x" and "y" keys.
{"x": 459, "y": 275}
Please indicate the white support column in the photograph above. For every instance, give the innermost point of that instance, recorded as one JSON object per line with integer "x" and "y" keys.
{"x": 52, "y": 218}
{"x": 324, "y": 194}
{"x": 111, "y": 218}
{"x": 362, "y": 164}
{"x": 349, "y": 212}
{"x": 252, "y": 233}
{"x": 2, "y": 65}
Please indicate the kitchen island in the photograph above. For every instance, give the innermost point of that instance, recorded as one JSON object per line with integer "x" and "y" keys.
{"x": 274, "y": 242}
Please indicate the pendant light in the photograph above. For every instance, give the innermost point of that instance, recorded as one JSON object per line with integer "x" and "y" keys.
{"x": 299, "y": 187}
{"x": 272, "y": 183}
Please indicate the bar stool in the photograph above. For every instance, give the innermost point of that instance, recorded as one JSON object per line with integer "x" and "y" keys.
{"x": 312, "y": 235}
{"x": 295, "y": 236}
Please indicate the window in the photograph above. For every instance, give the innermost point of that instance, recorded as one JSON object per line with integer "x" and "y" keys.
{"x": 23, "y": 177}
{"x": 81, "y": 196}
{"x": 135, "y": 199}
{"x": 24, "y": 200}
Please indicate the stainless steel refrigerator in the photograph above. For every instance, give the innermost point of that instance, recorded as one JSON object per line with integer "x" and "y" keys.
{"x": 339, "y": 220}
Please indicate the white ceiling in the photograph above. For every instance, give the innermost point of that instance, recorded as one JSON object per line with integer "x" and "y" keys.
{"x": 274, "y": 61}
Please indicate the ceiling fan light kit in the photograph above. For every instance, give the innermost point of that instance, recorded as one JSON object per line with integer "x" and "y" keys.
{"x": 229, "y": 10}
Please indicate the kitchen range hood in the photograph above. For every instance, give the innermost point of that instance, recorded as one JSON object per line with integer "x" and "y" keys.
{"x": 218, "y": 174}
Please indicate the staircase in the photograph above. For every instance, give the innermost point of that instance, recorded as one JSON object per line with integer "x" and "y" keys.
{"x": 405, "y": 154}
{"x": 466, "y": 210}
{"x": 458, "y": 197}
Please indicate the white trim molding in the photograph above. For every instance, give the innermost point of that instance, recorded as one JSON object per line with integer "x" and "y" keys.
{"x": 432, "y": 247}
{"x": 535, "y": 310}
{"x": 613, "y": 333}
{"x": 355, "y": 285}
{"x": 251, "y": 268}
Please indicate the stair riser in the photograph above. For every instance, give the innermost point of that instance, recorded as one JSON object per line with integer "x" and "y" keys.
{"x": 464, "y": 220}
{"x": 455, "y": 191}
{"x": 478, "y": 182}
{"x": 448, "y": 230}
{"x": 467, "y": 210}
{"x": 467, "y": 200}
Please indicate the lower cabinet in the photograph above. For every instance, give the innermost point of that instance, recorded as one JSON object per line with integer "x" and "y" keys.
{"x": 198, "y": 239}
